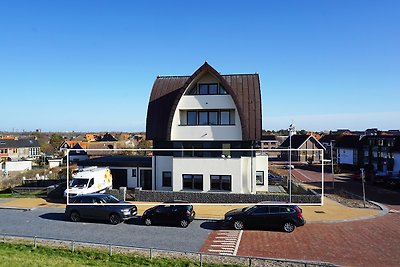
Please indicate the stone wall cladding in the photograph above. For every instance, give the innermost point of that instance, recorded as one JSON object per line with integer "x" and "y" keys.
{"x": 210, "y": 197}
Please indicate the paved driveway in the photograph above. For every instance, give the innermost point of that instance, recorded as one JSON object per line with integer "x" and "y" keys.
{"x": 373, "y": 242}
{"x": 50, "y": 223}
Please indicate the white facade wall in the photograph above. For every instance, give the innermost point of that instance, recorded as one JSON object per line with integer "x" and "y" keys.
{"x": 205, "y": 132}
{"x": 207, "y": 167}
{"x": 55, "y": 163}
{"x": 162, "y": 164}
{"x": 345, "y": 156}
{"x": 13, "y": 166}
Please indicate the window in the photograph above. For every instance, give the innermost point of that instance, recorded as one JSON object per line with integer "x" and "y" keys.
{"x": 192, "y": 181}
{"x": 191, "y": 118}
{"x": 259, "y": 178}
{"x": 213, "y": 117}
{"x": 167, "y": 179}
{"x": 208, "y": 89}
{"x": 134, "y": 173}
{"x": 261, "y": 210}
{"x": 221, "y": 182}
{"x": 208, "y": 117}
{"x": 203, "y": 118}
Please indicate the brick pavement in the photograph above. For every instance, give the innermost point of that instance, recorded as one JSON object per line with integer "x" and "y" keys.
{"x": 373, "y": 242}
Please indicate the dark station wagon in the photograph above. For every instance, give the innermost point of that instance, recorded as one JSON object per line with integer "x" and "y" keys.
{"x": 285, "y": 217}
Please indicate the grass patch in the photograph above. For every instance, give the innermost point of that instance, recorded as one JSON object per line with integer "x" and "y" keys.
{"x": 26, "y": 255}
{"x": 6, "y": 193}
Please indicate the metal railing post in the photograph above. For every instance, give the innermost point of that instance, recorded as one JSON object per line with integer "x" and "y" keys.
{"x": 201, "y": 260}
{"x": 72, "y": 246}
{"x": 34, "y": 242}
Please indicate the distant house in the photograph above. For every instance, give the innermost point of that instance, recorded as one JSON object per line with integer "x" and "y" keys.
{"x": 213, "y": 112}
{"x": 92, "y": 137}
{"x": 269, "y": 141}
{"x": 302, "y": 141}
{"x": 396, "y": 157}
{"x": 378, "y": 151}
{"x": 19, "y": 149}
{"x": 77, "y": 154}
{"x": 348, "y": 149}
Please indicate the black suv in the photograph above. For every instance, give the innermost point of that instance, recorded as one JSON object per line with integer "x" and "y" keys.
{"x": 99, "y": 207}
{"x": 286, "y": 217}
{"x": 171, "y": 213}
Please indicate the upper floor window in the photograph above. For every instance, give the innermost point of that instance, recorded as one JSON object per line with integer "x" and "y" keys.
{"x": 208, "y": 89}
{"x": 208, "y": 117}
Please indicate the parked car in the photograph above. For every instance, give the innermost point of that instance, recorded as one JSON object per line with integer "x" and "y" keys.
{"x": 172, "y": 213}
{"x": 99, "y": 207}
{"x": 286, "y": 217}
{"x": 274, "y": 179}
{"x": 289, "y": 166}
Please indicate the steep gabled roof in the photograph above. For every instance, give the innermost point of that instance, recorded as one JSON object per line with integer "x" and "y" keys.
{"x": 299, "y": 139}
{"x": 167, "y": 91}
{"x": 108, "y": 138}
{"x": 327, "y": 138}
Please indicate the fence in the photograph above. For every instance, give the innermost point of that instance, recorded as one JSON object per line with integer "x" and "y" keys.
{"x": 198, "y": 257}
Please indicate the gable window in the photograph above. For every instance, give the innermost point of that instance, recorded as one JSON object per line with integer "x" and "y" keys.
{"x": 208, "y": 89}
{"x": 192, "y": 181}
{"x": 166, "y": 179}
{"x": 221, "y": 182}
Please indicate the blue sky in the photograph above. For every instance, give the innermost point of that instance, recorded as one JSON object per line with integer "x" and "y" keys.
{"x": 90, "y": 65}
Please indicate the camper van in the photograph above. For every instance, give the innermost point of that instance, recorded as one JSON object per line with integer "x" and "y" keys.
{"x": 89, "y": 180}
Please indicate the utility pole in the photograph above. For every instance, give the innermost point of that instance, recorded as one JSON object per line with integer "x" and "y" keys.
{"x": 363, "y": 184}
{"x": 333, "y": 171}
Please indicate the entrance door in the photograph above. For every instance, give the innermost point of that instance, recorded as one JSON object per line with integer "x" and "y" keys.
{"x": 119, "y": 178}
{"x": 146, "y": 179}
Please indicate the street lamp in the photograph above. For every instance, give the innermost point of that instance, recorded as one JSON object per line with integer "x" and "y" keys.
{"x": 291, "y": 130}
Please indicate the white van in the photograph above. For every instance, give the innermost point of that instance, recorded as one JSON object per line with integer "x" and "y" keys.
{"x": 89, "y": 180}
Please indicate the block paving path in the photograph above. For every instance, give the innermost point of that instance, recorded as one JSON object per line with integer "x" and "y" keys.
{"x": 223, "y": 242}
{"x": 372, "y": 242}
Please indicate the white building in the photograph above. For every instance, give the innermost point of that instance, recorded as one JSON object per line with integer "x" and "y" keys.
{"x": 209, "y": 115}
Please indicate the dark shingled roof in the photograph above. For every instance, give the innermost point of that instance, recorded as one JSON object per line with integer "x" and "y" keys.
{"x": 327, "y": 138}
{"x": 5, "y": 143}
{"x": 298, "y": 140}
{"x": 268, "y": 137}
{"x": 167, "y": 91}
{"x": 348, "y": 141}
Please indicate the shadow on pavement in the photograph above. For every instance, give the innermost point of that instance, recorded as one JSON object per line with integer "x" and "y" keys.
{"x": 212, "y": 225}
{"x": 54, "y": 216}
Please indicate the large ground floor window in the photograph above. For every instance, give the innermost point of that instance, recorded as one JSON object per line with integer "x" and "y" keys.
{"x": 192, "y": 181}
{"x": 221, "y": 182}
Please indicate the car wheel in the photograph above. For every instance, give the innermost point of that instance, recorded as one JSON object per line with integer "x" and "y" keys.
{"x": 184, "y": 223}
{"x": 74, "y": 216}
{"x": 289, "y": 227}
{"x": 147, "y": 221}
{"x": 238, "y": 225}
{"x": 115, "y": 219}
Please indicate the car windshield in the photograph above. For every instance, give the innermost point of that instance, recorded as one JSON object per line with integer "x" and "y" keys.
{"x": 248, "y": 208}
{"x": 109, "y": 199}
{"x": 79, "y": 183}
